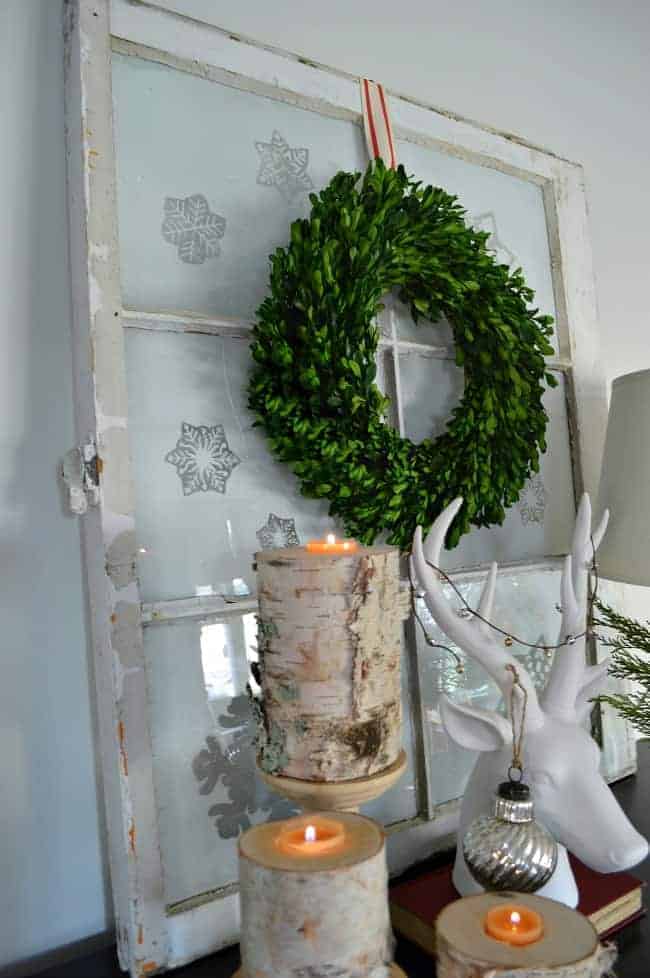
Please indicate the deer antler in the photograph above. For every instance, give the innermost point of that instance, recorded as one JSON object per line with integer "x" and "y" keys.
{"x": 474, "y": 637}
{"x": 569, "y": 672}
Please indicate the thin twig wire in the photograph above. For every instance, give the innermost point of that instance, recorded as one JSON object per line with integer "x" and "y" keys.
{"x": 460, "y": 668}
{"x": 509, "y": 636}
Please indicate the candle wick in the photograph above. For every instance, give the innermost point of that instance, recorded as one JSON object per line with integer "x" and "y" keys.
{"x": 331, "y": 538}
{"x": 310, "y": 833}
{"x": 515, "y": 918}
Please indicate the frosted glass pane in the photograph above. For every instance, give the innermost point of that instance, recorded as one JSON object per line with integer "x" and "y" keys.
{"x": 208, "y": 495}
{"x": 431, "y": 388}
{"x": 424, "y": 331}
{"x": 202, "y": 731}
{"x": 541, "y": 522}
{"x": 525, "y": 605}
{"x": 252, "y": 159}
{"x": 511, "y": 209}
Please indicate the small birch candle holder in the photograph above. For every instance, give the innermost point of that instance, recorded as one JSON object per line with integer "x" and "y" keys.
{"x": 500, "y": 935}
{"x": 330, "y": 624}
{"x": 314, "y": 899}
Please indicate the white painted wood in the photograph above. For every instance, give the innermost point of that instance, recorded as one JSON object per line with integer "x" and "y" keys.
{"x": 203, "y": 929}
{"x": 101, "y": 409}
{"x": 165, "y": 322}
{"x": 147, "y": 934}
{"x": 201, "y": 607}
{"x": 332, "y": 90}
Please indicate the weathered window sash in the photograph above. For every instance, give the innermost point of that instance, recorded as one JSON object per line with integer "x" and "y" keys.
{"x": 152, "y": 935}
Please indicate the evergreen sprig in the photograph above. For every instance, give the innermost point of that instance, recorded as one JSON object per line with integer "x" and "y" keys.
{"x": 313, "y": 386}
{"x": 630, "y": 644}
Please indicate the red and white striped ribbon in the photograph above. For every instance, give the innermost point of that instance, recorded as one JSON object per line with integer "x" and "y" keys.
{"x": 376, "y": 123}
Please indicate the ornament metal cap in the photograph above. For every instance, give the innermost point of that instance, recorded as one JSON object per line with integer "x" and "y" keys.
{"x": 513, "y": 802}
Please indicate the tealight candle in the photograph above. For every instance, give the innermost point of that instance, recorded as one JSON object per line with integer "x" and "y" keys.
{"x": 499, "y": 935}
{"x": 313, "y": 836}
{"x": 513, "y": 923}
{"x": 330, "y": 545}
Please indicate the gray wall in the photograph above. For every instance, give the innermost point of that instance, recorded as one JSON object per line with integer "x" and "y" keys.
{"x": 51, "y": 889}
{"x": 573, "y": 77}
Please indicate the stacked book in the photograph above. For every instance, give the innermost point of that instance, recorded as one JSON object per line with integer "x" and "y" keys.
{"x": 611, "y": 901}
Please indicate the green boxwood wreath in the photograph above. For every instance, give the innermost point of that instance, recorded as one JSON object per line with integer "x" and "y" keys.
{"x": 313, "y": 385}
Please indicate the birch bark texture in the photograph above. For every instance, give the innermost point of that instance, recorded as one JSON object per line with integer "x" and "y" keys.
{"x": 329, "y": 639}
{"x": 568, "y": 948}
{"x": 315, "y": 917}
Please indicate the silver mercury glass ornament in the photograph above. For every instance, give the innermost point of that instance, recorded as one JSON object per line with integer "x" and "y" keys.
{"x": 509, "y": 850}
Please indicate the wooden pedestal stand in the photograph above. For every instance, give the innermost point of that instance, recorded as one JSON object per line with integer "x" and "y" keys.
{"x": 568, "y": 948}
{"x": 335, "y": 796}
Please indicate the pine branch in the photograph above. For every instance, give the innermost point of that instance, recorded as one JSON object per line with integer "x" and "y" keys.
{"x": 628, "y": 661}
{"x": 633, "y": 707}
{"x": 631, "y": 633}
{"x": 627, "y": 666}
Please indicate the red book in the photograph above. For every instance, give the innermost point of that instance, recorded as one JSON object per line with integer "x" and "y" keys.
{"x": 609, "y": 900}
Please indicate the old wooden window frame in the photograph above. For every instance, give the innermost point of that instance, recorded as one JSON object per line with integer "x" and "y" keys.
{"x": 150, "y": 937}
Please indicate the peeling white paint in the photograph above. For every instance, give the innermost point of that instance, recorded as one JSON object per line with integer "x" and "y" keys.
{"x": 99, "y": 252}
{"x": 115, "y": 600}
{"x": 121, "y": 674}
{"x": 107, "y": 421}
{"x": 95, "y": 293}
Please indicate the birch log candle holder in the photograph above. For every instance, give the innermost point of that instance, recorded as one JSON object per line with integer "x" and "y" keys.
{"x": 533, "y": 938}
{"x": 329, "y": 644}
{"x": 307, "y": 913}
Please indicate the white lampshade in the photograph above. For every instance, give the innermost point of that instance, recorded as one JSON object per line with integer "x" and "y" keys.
{"x": 624, "y": 554}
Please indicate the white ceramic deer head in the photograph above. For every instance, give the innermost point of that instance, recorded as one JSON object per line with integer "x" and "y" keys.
{"x": 561, "y": 760}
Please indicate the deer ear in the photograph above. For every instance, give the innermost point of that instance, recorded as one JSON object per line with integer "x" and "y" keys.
{"x": 474, "y": 728}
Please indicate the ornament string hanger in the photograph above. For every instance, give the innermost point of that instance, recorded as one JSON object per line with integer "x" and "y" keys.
{"x": 509, "y": 637}
{"x": 517, "y": 740}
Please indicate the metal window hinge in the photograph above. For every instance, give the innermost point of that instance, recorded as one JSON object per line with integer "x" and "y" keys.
{"x": 80, "y": 470}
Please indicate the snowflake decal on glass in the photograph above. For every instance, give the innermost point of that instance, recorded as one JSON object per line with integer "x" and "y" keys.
{"x": 202, "y": 458}
{"x": 193, "y": 228}
{"x": 235, "y": 769}
{"x": 537, "y": 663}
{"x": 277, "y": 532}
{"x": 532, "y": 502}
{"x": 283, "y": 167}
{"x": 488, "y": 222}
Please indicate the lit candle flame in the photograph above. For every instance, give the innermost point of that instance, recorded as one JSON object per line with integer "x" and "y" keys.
{"x": 515, "y": 918}
{"x": 310, "y": 833}
{"x": 331, "y": 538}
